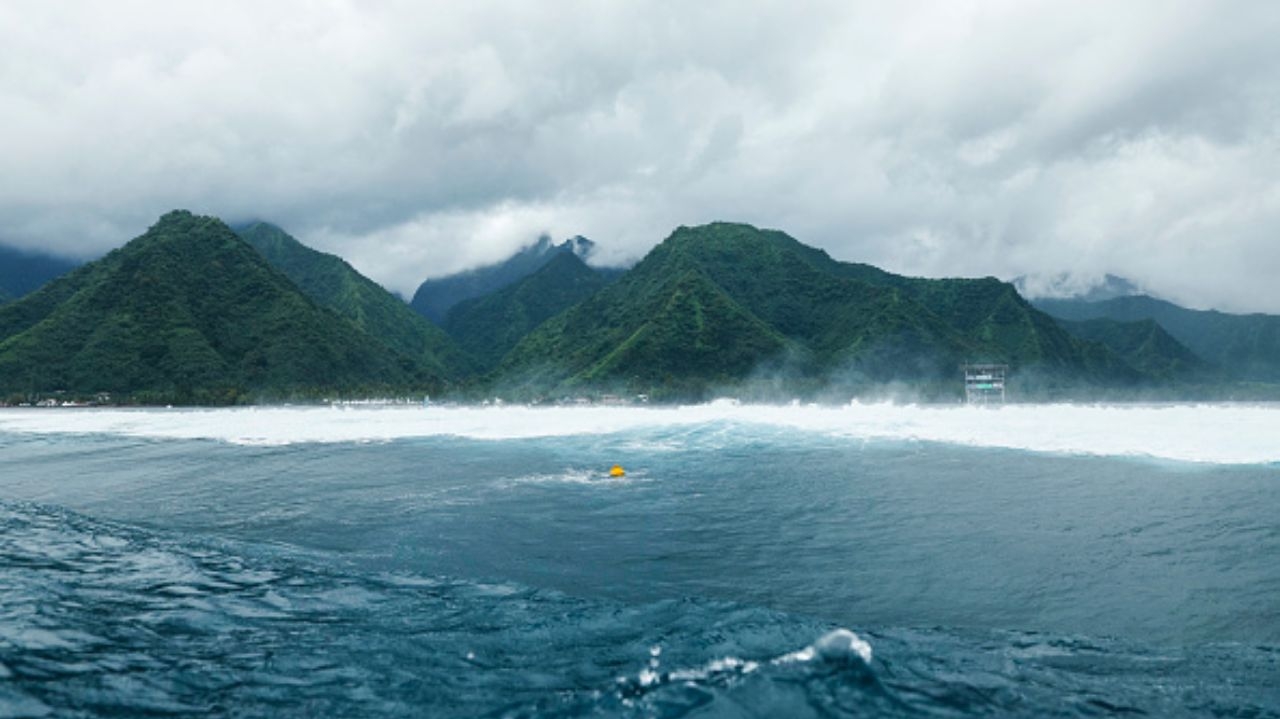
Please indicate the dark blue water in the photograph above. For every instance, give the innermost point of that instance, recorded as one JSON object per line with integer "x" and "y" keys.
{"x": 722, "y": 577}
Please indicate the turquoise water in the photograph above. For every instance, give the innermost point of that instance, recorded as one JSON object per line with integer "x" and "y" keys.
{"x": 315, "y": 563}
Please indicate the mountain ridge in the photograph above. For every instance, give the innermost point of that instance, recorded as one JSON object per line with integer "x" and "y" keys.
{"x": 186, "y": 312}
{"x": 23, "y": 271}
{"x": 191, "y": 311}
{"x": 1246, "y": 347}
{"x": 435, "y": 297}
{"x": 331, "y": 282}
{"x": 835, "y": 320}
{"x": 1145, "y": 346}
{"x": 488, "y": 326}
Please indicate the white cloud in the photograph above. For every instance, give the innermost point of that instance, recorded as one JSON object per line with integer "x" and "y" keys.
{"x": 415, "y": 139}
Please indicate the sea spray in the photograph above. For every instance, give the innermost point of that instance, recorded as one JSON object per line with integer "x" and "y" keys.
{"x": 1207, "y": 433}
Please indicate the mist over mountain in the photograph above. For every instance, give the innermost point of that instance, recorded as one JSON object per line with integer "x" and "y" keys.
{"x": 187, "y": 312}
{"x": 23, "y": 272}
{"x": 192, "y": 311}
{"x": 435, "y": 297}
{"x": 1065, "y": 285}
{"x": 724, "y": 303}
{"x": 371, "y": 430}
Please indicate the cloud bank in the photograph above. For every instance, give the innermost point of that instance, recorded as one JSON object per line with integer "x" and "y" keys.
{"x": 416, "y": 139}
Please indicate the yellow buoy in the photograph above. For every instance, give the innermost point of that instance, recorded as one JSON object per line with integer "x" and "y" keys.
{"x": 617, "y": 471}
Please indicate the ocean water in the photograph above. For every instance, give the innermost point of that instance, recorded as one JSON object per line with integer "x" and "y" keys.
{"x": 868, "y": 560}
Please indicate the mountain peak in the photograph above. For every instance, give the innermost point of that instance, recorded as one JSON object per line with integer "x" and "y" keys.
{"x": 435, "y": 297}
{"x": 580, "y": 246}
{"x": 545, "y": 246}
{"x": 186, "y": 311}
{"x": 490, "y": 325}
{"x": 799, "y": 316}
{"x": 177, "y": 217}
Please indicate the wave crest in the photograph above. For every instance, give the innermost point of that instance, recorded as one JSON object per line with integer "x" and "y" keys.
{"x": 1218, "y": 434}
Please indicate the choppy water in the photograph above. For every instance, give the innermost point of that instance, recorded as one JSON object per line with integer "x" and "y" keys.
{"x": 869, "y": 560}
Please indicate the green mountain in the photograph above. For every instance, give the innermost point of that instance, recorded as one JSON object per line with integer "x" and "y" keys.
{"x": 187, "y": 312}
{"x": 436, "y": 297}
{"x": 1245, "y": 347}
{"x": 488, "y": 327}
{"x": 724, "y": 303}
{"x": 23, "y": 272}
{"x": 331, "y": 282}
{"x": 192, "y": 312}
{"x": 1145, "y": 346}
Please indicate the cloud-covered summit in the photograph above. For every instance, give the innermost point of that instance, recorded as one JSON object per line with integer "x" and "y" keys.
{"x": 417, "y": 139}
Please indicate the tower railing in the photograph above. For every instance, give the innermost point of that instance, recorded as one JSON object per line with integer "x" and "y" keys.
{"x": 984, "y": 383}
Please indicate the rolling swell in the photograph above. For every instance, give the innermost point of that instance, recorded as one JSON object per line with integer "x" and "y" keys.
{"x": 99, "y": 618}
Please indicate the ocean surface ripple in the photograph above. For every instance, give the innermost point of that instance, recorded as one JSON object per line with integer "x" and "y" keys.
{"x": 104, "y": 619}
{"x": 739, "y": 569}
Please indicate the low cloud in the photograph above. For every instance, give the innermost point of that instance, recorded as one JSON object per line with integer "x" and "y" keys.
{"x": 930, "y": 138}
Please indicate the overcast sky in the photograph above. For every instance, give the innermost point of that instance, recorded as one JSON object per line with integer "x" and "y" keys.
{"x": 948, "y": 138}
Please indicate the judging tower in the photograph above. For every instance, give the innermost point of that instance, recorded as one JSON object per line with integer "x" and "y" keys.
{"x": 984, "y": 383}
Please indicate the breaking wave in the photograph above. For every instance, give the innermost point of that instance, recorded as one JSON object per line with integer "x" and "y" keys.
{"x": 1208, "y": 433}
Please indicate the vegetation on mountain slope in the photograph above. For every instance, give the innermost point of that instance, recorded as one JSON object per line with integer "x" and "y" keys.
{"x": 796, "y": 313}
{"x": 1146, "y": 347}
{"x": 331, "y": 282}
{"x": 1245, "y": 347}
{"x": 191, "y": 312}
{"x": 23, "y": 272}
{"x": 187, "y": 312}
{"x": 435, "y": 297}
{"x": 487, "y": 327}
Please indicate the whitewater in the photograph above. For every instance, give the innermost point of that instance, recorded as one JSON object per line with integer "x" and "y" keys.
{"x": 1209, "y": 433}
{"x": 756, "y": 560}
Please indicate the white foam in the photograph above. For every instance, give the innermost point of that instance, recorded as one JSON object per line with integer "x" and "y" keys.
{"x": 1212, "y": 433}
{"x": 595, "y": 477}
{"x": 837, "y": 645}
